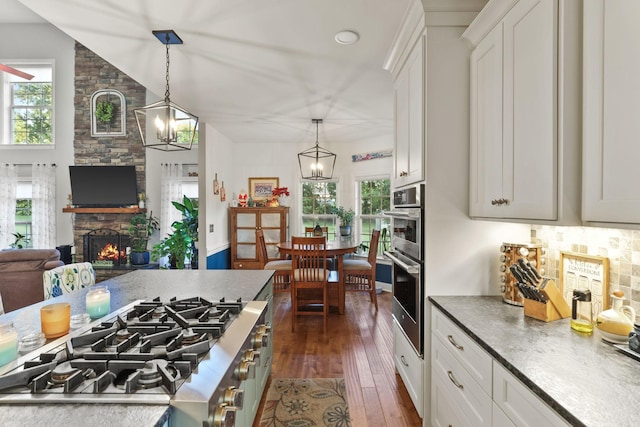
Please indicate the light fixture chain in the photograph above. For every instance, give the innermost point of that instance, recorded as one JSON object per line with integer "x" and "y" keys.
{"x": 166, "y": 92}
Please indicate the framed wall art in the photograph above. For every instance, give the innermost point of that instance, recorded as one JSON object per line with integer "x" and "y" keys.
{"x": 579, "y": 271}
{"x": 108, "y": 113}
{"x": 261, "y": 188}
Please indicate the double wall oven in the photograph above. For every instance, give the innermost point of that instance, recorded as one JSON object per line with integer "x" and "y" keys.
{"x": 408, "y": 262}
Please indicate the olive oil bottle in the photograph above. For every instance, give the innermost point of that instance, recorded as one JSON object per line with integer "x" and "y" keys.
{"x": 581, "y": 311}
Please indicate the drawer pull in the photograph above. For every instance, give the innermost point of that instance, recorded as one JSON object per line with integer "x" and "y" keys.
{"x": 454, "y": 343}
{"x": 453, "y": 380}
{"x": 404, "y": 362}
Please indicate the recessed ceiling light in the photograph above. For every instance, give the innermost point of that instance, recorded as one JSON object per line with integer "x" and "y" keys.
{"x": 347, "y": 37}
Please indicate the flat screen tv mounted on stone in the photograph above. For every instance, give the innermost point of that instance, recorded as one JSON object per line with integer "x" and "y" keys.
{"x": 103, "y": 186}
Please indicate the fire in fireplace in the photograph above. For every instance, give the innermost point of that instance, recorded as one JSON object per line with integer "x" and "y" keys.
{"x": 105, "y": 247}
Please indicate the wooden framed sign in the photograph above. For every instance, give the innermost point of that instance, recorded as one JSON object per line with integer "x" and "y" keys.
{"x": 579, "y": 271}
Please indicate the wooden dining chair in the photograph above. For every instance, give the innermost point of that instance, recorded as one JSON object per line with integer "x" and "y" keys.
{"x": 282, "y": 267}
{"x": 360, "y": 275}
{"x": 309, "y": 278}
{"x": 308, "y": 231}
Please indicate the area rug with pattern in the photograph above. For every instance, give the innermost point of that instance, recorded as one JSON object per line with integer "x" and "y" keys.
{"x": 300, "y": 402}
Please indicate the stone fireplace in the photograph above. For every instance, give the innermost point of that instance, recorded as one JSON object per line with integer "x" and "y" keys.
{"x": 92, "y": 74}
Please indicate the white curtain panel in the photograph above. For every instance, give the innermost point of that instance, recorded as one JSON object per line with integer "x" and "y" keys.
{"x": 171, "y": 191}
{"x": 8, "y": 191}
{"x": 44, "y": 205}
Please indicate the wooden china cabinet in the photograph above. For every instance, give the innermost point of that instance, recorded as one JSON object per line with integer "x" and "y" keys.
{"x": 244, "y": 223}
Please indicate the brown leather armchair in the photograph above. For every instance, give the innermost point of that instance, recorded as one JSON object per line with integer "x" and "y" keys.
{"x": 21, "y": 275}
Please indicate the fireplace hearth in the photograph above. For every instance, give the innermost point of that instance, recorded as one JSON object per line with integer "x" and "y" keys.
{"x": 105, "y": 247}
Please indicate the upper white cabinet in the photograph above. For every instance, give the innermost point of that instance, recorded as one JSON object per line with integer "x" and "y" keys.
{"x": 514, "y": 144}
{"x": 611, "y": 111}
{"x": 409, "y": 117}
{"x": 409, "y": 91}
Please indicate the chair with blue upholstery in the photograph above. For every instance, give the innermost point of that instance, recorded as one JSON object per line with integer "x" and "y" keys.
{"x": 68, "y": 278}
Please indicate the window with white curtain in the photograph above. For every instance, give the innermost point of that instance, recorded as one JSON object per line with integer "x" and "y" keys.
{"x": 176, "y": 182}
{"x": 27, "y": 206}
{"x": 24, "y": 213}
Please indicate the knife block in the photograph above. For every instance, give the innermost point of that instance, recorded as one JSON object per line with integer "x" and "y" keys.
{"x": 555, "y": 308}
{"x": 510, "y": 253}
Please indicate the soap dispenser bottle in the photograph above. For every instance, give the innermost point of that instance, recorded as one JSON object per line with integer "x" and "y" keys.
{"x": 615, "y": 323}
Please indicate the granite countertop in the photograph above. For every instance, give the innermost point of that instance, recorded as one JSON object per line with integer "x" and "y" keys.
{"x": 125, "y": 289}
{"x": 583, "y": 378}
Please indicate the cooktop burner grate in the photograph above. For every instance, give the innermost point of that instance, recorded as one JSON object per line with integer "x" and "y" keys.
{"x": 147, "y": 348}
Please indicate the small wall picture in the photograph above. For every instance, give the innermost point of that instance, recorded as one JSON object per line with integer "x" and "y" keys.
{"x": 262, "y": 188}
{"x": 216, "y": 185}
{"x": 223, "y": 193}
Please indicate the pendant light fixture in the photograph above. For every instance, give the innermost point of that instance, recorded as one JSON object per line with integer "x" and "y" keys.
{"x": 175, "y": 127}
{"x": 317, "y": 163}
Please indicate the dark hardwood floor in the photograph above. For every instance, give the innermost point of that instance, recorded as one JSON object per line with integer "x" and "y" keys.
{"x": 358, "y": 346}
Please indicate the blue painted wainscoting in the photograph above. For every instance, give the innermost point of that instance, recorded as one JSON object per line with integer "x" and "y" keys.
{"x": 220, "y": 260}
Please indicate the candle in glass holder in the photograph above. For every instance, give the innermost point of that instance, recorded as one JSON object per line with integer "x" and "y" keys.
{"x": 8, "y": 343}
{"x": 55, "y": 319}
{"x": 98, "y": 302}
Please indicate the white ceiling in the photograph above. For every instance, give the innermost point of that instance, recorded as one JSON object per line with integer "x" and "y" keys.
{"x": 257, "y": 70}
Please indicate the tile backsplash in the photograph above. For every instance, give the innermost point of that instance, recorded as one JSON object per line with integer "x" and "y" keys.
{"x": 622, "y": 247}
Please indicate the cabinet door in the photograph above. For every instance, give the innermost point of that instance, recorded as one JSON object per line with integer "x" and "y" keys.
{"x": 530, "y": 111}
{"x": 519, "y": 403}
{"x": 444, "y": 408}
{"x": 409, "y": 104}
{"x": 513, "y": 168}
{"x": 246, "y": 225}
{"x": 486, "y": 125}
{"x": 272, "y": 224}
{"x": 611, "y": 111}
{"x": 409, "y": 365}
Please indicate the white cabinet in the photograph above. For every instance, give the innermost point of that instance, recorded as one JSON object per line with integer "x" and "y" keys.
{"x": 519, "y": 403}
{"x": 449, "y": 376}
{"x": 461, "y": 372}
{"x": 409, "y": 117}
{"x": 611, "y": 111}
{"x": 514, "y": 145}
{"x": 409, "y": 365}
{"x": 470, "y": 388}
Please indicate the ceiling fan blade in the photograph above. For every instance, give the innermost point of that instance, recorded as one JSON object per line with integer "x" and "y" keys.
{"x": 15, "y": 72}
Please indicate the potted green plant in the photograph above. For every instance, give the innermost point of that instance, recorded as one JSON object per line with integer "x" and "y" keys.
{"x": 346, "y": 218}
{"x": 177, "y": 246}
{"x": 141, "y": 227}
{"x": 19, "y": 242}
{"x": 189, "y": 225}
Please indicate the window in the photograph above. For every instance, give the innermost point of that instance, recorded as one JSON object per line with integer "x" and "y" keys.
{"x": 24, "y": 213}
{"x": 374, "y": 200}
{"x": 317, "y": 200}
{"x": 27, "y": 106}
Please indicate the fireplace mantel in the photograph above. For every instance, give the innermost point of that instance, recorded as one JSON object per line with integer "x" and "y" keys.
{"x": 130, "y": 210}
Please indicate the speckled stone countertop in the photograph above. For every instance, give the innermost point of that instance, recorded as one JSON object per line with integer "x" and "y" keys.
{"x": 586, "y": 380}
{"x": 138, "y": 285}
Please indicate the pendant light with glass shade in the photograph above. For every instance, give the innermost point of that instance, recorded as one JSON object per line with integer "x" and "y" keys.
{"x": 175, "y": 127}
{"x": 316, "y": 163}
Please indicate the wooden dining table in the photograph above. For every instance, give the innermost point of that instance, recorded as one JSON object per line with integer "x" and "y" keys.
{"x": 337, "y": 249}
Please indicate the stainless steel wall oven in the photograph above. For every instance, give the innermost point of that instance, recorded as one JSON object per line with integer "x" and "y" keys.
{"x": 408, "y": 263}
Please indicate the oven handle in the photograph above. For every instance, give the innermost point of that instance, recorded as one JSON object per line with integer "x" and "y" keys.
{"x": 412, "y": 213}
{"x": 413, "y": 268}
